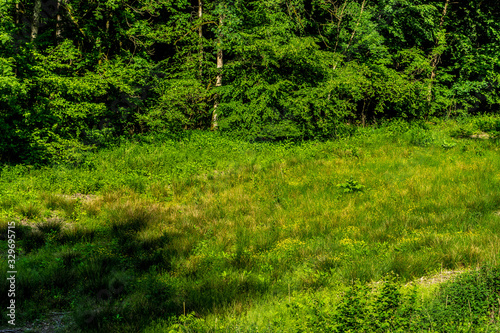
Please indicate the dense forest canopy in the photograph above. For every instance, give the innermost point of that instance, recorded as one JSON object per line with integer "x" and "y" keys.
{"x": 74, "y": 74}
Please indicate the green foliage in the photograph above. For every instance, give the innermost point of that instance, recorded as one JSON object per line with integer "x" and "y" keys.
{"x": 29, "y": 210}
{"x": 448, "y": 145}
{"x": 469, "y": 300}
{"x": 107, "y": 96}
{"x": 419, "y": 136}
{"x": 351, "y": 186}
{"x": 138, "y": 230}
{"x": 490, "y": 125}
{"x": 98, "y": 72}
{"x": 462, "y": 132}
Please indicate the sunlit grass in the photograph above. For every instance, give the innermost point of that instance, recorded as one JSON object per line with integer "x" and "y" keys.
{"x": 220, "y": 223}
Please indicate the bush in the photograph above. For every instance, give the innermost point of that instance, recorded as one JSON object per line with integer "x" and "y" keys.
{"x": 488, "y": 124}
{"x": 418, "y": 136}
{"x": 463, "y": 131}
{"x": 351, "y": 186}
{"x": 467, "y": 301}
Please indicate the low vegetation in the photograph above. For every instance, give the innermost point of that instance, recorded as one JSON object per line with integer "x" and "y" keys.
{"x": 212, "y": 234}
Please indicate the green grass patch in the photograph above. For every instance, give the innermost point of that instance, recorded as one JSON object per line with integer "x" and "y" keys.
{"x": 213, "y": 226}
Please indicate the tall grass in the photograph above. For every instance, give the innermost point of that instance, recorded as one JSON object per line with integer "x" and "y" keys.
{"x": 211, "y": 223}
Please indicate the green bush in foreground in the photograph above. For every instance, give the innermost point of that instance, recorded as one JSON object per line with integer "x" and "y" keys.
{"x": 467, "y": 303}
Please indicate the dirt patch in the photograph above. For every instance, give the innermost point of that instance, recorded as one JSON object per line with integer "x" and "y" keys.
{"x": 55, "y": 322}
{"x": 483, "y": 136}
{"x": 439, "y": 278}
{"x": 83, "y": 197}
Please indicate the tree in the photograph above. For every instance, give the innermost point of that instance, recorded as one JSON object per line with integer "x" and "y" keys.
{"x": 220, "y": 65}
{"x": 37, "y": 11}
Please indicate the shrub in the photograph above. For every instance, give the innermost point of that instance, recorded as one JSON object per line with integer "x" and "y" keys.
{"x": 488, "y": 124}
{"x": 461, "y": 132}
{"x": 468, "y": 300}
{"x": 351, "y": 186}
{"x": 418, "y": 136}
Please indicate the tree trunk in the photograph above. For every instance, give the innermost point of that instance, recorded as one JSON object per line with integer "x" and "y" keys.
{"x": 435, "y": 56}
{"x": 220, "y": 65}
{"x": 17, "y": 14}
{"x": 363, "y": 114}
{"x": 58, "y": 18}
{"x": 200, "y": 35}
{"x": 339, "y": 22}
{"x": 107, "y": 22}
{"x": 357, "y": 24}
{"x": 36, "y": 19}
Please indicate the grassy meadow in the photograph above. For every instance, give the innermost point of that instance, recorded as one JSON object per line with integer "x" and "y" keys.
{"x": 212, "y": 234}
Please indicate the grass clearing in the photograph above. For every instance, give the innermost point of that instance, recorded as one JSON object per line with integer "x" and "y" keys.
{"x": 223, "y": 228}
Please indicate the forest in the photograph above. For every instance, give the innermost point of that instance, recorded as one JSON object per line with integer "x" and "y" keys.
{"x": 77, "y": 74}
{"x": 249, "y": 166}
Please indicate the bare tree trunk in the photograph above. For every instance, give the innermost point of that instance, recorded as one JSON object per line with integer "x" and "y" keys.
{"x": 17, "y": 19}
{"x": 218, "y": 83}
{"x": 17, "y": 13}
{"x": 200, "y": 35}
{"x": 36, "y": 19}
{"x": 357, "y": 24}
{"x": 435, "y": 56}
{"x": 339, "y": 21}
{"x": 107, "y": 22}
{"x": 58, "y": 18}
{"x": 363, "y": 114}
